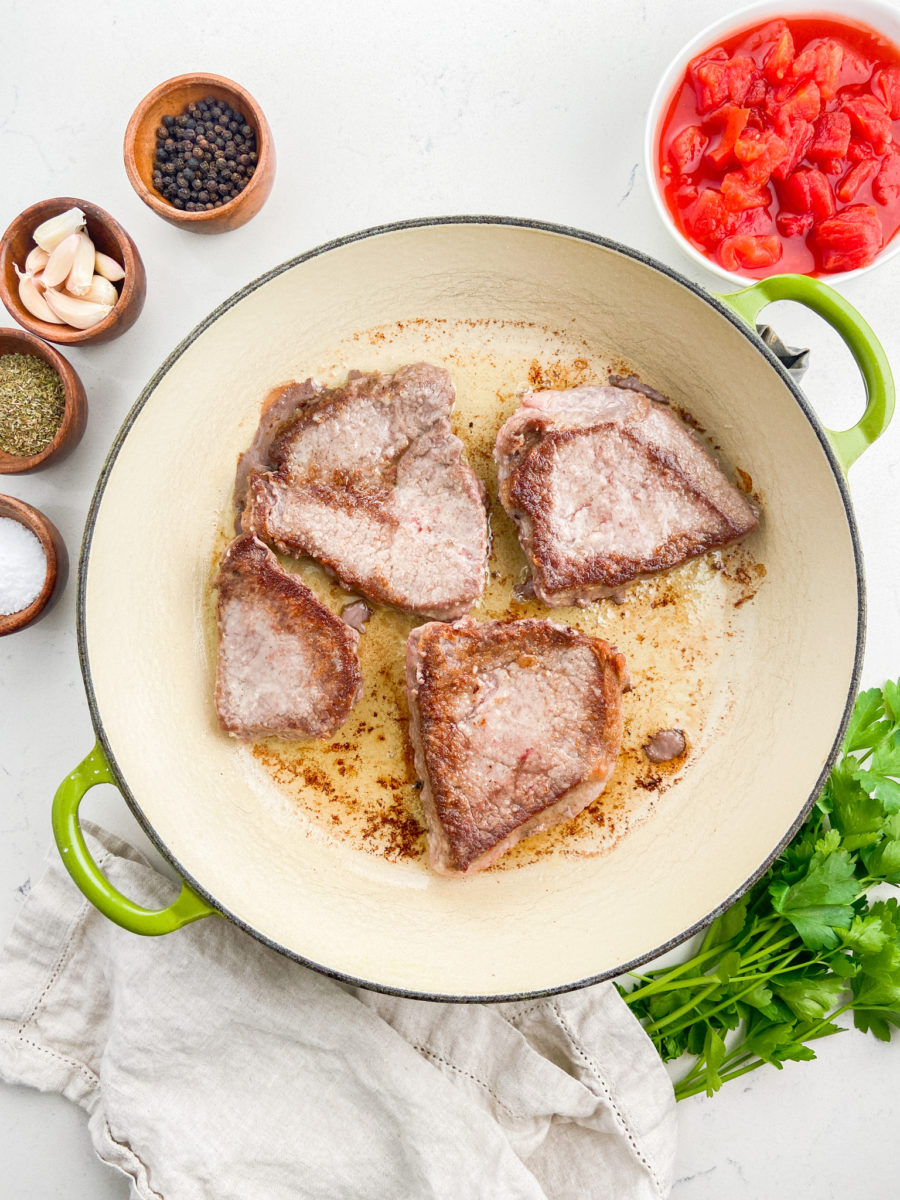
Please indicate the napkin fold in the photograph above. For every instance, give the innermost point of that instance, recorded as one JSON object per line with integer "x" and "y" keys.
{"x": 212, "y": 1068}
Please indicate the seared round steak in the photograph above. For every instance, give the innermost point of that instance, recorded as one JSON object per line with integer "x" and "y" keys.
{"x": 605, "y": 486}
{"x": 369, "y": 480}
{"x": 516, "y": 726}
{"x": 287, "y": 666}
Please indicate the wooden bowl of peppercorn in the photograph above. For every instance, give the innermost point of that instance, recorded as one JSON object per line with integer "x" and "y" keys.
{"x": 31, "y": 408}
{"x": 199, "y": 152}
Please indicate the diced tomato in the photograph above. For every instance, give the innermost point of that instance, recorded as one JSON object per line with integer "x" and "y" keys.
{"x": 778, "y": 61}
{"x": 886, "y": 88}
{"x": 858, "y": 150}
{"x": 858, "y": 175}
{"x": 708, "y": 76}
{"x": 709, "y": 220}
{"x": 732, "y": 121}
{"x": 797, "y": 135}
{"x": 886, "y": 188}
{"x": 871, "y": 120}
{"x": 854, "y": 69}
{"x": 756, "y": 92}
{"x": 717, "y": 78}
{"x": 759, "y": 152}
{"x": 765, "y": 35}
{"x": 745, "y": 250}
{"x": 740, "y": 194}
{"x": 740, "y": 73}
{"x": 794, "y": 224}
{"x": 687, "y": 149}
{"x": 831, "y": 138}
{"x": 808, "y": 191}
{"x": 685, "y": 194}
{"x": 822, "y": 63}
{"x": 800, "y": 100}
{"x": 753, "y": 220}
{"x": 848, "y": 240}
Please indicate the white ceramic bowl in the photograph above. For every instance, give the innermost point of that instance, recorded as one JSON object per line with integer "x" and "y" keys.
{"x": 885, "y": 18}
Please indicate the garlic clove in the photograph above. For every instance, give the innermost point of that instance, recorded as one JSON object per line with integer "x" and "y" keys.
{"x": 33, "y": 301}
{"x": 80, "y": 314}
{"x": 50, "y": 233}
{"x": 78, "y": 281}
{"x": 59, "y": 264}
{"x": 36, "y": 260}
{"x": 108, "y": 267}
{"x": 101, "y": 291}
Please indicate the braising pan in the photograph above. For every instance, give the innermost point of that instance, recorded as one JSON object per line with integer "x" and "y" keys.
{"x": 318, "y": 851}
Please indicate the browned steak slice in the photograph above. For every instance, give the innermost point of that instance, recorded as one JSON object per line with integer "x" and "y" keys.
{"x": 287, "y": 666}
{"x": 369, "y": 480}
{"x": 606, "y": 486}
{"x": 279, "y": 409}
{"x": 516, "y": 726}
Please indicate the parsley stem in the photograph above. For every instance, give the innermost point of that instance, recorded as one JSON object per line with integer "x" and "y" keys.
{"x": 682, "y": 1092}
{"x": 666, "y": 974}
{"x": 691, "y": 1005}
{"x": 731, "y": 998}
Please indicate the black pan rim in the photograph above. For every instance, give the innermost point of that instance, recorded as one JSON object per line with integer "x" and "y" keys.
{"x": 544, "y": 227}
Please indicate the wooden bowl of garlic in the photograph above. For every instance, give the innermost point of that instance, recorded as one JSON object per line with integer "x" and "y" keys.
{"x": 70, "y": 274}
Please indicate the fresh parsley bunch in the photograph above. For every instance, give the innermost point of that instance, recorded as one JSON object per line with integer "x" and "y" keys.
{"x": 805, "y": 945}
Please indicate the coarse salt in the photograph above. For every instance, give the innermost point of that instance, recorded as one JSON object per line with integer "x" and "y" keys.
{"x": 23, "y": 566}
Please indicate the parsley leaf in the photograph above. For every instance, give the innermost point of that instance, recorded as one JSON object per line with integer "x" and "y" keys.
{"x": 820, "y": 903}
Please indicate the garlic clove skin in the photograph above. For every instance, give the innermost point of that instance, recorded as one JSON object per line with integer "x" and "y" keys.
{"x": 59, "y": 264}
{"x": 34, "y": 302}
{"x": 101, "y": 291}
{"x": 108, "y": 267}
{"x": 50, "y": 233}
{"x": 80, "y": 314}
{"x": 78, "y": 280}
{"x": 36, "y": 260}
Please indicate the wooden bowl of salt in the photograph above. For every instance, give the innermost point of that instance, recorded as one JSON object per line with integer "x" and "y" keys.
{"x": 33, "y": 564}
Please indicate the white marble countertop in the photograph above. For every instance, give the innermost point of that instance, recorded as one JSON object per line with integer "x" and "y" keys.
{"x": 383, "y": 111}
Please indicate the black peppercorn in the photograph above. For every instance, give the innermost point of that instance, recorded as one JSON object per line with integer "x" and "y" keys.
{"x": 205, "y": 155}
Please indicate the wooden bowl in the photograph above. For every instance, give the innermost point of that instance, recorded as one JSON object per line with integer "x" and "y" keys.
{"x": 57, "y": 563}
{"x": 170, "y": 99}
{"x": 67, "y": 437}
{"x": 109, "y": 237}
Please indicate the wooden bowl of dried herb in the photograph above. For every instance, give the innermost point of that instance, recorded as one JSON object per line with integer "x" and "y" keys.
{"x": 43, "y": 408}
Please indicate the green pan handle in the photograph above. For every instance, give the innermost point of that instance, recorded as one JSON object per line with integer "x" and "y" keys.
{"x": 81, "y": 866}
{"x": 862, "y": 343}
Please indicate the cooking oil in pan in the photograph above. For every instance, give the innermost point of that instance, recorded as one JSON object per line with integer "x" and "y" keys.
{"x": 360, "y": 787}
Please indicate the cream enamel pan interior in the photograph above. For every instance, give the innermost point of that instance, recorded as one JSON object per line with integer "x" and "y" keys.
{"x": 497, "y": 303}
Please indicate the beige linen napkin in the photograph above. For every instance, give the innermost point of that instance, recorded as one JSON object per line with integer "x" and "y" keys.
{"x": 213, "y": 1068}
